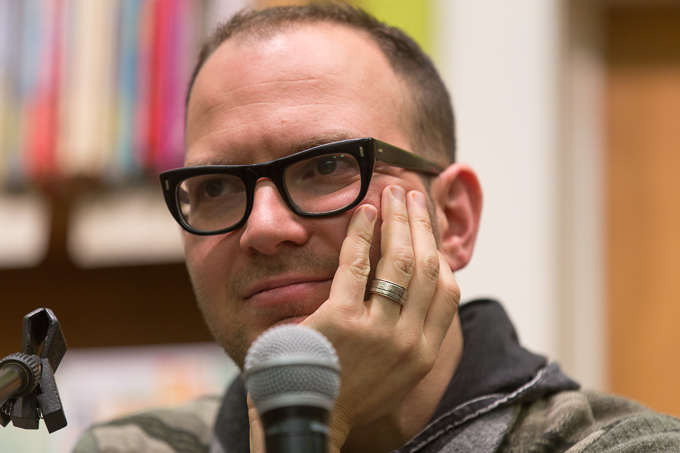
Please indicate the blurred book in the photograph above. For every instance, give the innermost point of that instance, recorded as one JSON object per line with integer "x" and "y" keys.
{"x": 100, "y": 384}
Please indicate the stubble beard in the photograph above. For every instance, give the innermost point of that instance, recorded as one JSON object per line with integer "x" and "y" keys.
{"x": 233, "y": 335}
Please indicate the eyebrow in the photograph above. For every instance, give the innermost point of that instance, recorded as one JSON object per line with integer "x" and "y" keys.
{"x": 323, "y": 139}
{"x": 221, "y": 160}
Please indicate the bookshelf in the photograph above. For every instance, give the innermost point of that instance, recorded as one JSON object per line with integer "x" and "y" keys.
{"x": 91, "y": 109}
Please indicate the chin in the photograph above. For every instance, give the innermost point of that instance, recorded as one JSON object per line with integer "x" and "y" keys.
{"x": 293, "y": 320}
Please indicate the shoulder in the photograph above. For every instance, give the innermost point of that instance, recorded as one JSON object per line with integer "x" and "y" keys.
{"x": 637, "y": 430}
{"x": 587, "y": 421}
{"x": 187, "y": 428}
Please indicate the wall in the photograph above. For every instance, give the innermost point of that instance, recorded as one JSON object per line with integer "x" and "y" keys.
{"x": 526, "y": 82}
{"x": 500, "y": 60}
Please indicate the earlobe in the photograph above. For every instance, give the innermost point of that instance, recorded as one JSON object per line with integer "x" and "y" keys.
{"x": 458, "y": 199}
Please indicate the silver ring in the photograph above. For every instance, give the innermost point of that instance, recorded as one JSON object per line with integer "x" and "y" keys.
{"x": 389, "y": 289}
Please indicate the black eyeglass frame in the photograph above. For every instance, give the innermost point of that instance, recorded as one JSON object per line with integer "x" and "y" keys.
{"x": 366, "y": 151}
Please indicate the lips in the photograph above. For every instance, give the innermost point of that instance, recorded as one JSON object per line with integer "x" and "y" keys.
{"x": 281, "y": 284}
{"x": 282, "y": 298}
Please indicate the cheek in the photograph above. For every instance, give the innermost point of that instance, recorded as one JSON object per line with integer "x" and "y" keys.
{"x": 196, "y": 249}
{"x": 202, "y": 256}
{"x": 327, "y": 233}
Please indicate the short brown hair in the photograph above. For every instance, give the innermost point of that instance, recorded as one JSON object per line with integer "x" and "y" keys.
{"x": 432, "y": 121}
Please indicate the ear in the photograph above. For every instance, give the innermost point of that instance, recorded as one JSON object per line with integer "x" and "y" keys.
{"x": 458, "y": 199}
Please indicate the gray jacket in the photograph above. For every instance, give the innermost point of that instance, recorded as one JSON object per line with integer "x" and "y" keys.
{"x": 502, "y": 398}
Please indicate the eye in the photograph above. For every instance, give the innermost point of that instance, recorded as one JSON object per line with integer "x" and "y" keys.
{"x": 326, "y": 166}
{"x": 213, "y": 188}
{"x": 334, "y": 164}
{"x": 323, "y": 170}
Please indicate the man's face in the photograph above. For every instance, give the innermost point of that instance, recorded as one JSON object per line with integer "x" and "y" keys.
{"x": 256, "y": 100}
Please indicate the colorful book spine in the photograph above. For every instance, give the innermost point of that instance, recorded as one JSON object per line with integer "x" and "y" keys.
{"x": 42, "y": 105}
{"x": 129, "y": 27}
{"x": 96, "y": 88}
{"x": 87, "y": 142}
{"x": 10, "y": 17}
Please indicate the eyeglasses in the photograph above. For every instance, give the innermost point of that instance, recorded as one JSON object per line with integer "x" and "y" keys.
{"x": 321, "y": 181}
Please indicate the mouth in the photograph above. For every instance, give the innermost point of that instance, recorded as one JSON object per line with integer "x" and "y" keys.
{"x": 282, "y": 284}
{"x": 288, "y": 297}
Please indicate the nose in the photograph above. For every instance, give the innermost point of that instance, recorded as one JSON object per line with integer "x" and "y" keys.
{"x": 271, "y": 223}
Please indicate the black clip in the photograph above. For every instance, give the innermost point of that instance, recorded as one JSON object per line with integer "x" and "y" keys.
{"x": 43, "y": 344}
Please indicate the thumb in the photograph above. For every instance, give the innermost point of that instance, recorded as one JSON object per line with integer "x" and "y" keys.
{"x": 256, "y": 430}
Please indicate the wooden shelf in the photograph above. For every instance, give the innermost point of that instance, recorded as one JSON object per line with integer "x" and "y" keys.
{"x": 99, "y": 307}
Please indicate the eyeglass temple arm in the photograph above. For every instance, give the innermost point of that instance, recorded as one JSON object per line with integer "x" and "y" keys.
{"x": 393, "y": 155}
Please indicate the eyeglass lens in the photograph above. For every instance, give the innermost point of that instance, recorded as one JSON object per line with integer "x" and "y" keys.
{"x": 317, "y": 185}
{"x": 212, "y": 202}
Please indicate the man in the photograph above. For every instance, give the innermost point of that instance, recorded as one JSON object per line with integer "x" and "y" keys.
{"x": 285, "y": 233}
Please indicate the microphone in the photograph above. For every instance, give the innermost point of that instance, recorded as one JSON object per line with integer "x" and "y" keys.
{"x": 293, "y": 377}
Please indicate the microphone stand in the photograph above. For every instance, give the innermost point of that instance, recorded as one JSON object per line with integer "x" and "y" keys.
{"x": 28, "y": 390}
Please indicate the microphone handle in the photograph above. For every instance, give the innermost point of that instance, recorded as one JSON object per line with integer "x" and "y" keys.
{"x": 12, "y": 380}
{"x": 296, "y": 429}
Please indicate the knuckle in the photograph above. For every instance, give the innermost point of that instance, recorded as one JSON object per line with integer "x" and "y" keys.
{"x": 404, "y": 262}
{"x": 451, "y": 288}
{"x": 429, "y": 265}
{"x": 359, "y": 266}
{"x": 420, "y": 361}
{"x": 426, "y": 363}
{"x": 400, "y": 217}
{"x": 365, "y": 237}
{"x": 410, "y": 345}
{"x": 452, "y": 293}
{"x": 425, "y": 224}
{"x": 358, "y": 241}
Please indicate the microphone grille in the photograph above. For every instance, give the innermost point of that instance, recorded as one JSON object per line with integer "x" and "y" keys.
{"x": 292, "y": 365}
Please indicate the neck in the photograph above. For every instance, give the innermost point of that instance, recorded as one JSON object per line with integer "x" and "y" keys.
{"x": 416, "y": 409}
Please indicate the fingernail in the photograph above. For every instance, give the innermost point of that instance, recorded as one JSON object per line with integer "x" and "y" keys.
{"x": 419, "y": 198}
{"x": 370, "y": 214}
{"x": 398, "y": 193}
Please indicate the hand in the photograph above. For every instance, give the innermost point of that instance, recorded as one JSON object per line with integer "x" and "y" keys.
{"x": 257, "y": 440}
{"x": 385, "y": 349}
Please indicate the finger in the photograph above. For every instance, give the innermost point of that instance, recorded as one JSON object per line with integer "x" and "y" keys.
{"x": 444, "y": 304}
{"x": 426, "y": 272}
{"x": 397, "y": 261}
{"x": 349, "y": 284}
{"x": 257, "y": 441}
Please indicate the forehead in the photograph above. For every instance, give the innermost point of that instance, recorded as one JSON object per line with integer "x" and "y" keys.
{"x": 268, "y": 95}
